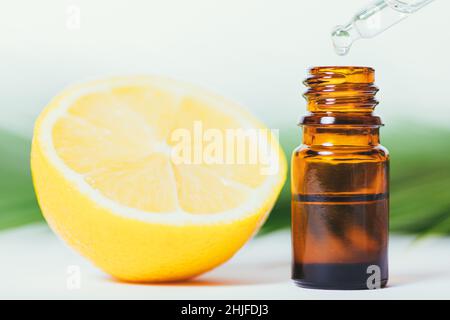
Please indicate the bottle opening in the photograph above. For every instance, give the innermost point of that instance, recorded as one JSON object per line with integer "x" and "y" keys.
{"x": 335, "y": 75}
{"x": 341, "y": 89}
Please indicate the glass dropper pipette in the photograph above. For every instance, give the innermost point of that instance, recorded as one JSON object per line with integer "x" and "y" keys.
{"x": 373, "y": 20}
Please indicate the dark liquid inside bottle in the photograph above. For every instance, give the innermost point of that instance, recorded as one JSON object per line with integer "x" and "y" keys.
{"x": 336, "y": 276}
{"x": 344, "y": 233}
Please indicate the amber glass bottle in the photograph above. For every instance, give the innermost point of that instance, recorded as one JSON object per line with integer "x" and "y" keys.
{"x": 340, "y": 184}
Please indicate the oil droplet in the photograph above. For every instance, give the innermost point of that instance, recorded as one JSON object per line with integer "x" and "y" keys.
{"x": 342, "y": 40}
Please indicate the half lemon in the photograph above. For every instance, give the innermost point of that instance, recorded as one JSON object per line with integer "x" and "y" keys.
{"x": 108, "y": 183}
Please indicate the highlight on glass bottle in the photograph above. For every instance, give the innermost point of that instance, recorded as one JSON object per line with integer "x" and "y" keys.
{"x": 340, "y": 185}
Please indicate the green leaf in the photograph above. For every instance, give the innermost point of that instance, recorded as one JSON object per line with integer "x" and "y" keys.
{"x": 18, "y": 203}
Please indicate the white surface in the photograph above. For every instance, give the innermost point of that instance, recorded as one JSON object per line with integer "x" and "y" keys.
{"x": 34, "y": 265}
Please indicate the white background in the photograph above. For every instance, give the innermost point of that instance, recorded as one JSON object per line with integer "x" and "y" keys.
{"x": 253, "y": 51}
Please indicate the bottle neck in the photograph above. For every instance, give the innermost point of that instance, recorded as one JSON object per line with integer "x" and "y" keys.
{"x": 340, "y": 101}
{"x": 342, "y": 136}
{"x": 341, "y": 90}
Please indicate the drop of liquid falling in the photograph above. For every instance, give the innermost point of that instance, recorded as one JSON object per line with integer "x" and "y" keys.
{"x": 342, "y": 40}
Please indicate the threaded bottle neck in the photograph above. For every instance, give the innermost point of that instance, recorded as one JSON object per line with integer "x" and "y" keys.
{"x": 341, "y": 89}
{"x": 341, "y": 96}
{"x": 340, "y": 104}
